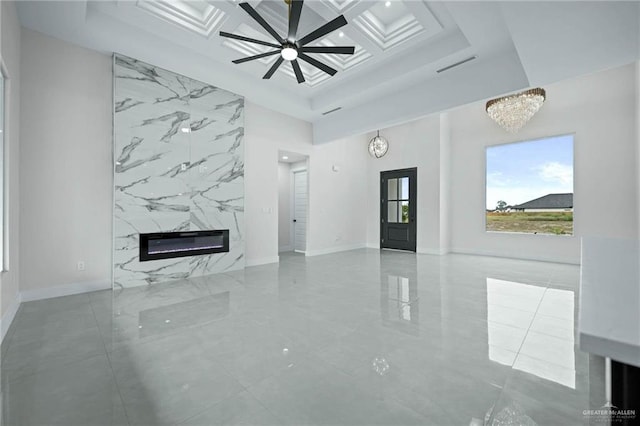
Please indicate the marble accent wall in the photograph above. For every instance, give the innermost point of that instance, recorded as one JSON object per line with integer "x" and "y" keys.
{"x": 178, "y": 166}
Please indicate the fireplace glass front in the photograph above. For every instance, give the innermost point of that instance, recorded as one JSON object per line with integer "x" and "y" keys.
{"x": 166, "y": 245}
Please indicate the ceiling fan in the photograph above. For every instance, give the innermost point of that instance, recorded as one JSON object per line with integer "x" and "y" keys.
{"x": 293, "y": 48}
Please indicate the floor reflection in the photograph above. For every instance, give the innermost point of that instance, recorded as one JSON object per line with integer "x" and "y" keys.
{"x": 531, "y": 329}
{"x": 192, "y": 313}
{"x": 354, "y": 338}
{"x": 399, "y": 302}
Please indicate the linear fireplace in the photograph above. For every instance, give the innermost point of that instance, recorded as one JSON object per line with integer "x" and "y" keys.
{"x": 166, "y": 245}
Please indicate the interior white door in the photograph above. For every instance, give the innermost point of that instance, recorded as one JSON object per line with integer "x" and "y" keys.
{"x": 300, "y": 211}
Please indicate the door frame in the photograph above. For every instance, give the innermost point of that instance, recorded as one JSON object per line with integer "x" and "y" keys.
{"x": 292, "y": 206}
{"x": 413, "y": 206}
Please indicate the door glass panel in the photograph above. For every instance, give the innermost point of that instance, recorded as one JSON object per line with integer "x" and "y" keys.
{"x": 404, "y": 188}
{"x": 393, "y": 212}
{"x": 392, "y": 193}
{"x": 404, "y": 211}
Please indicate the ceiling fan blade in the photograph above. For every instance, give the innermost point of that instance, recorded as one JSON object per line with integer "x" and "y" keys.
{"x": 294, "y": 19}
{"x": 298, "y": 71}
{"x": 250, "y": 40}
{"x": 317, "y": 63}
{"x": 254, "y": 57}
{"x": 341, "y": 50}
{"x": 251, "y": 11}
{"x": 330, "y": 26}
{"x": 273, "y": 68}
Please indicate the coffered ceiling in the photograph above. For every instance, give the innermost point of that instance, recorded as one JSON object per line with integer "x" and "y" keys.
{"x": 412, "y": 57}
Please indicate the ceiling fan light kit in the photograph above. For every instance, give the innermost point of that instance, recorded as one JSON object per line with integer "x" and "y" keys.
{"x": 289, "y": 52}
{"x": 292, "y": 48}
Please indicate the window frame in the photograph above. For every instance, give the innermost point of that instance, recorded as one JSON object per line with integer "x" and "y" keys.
{"x": 399, "y": 199}
{"x": 573, "y": 135}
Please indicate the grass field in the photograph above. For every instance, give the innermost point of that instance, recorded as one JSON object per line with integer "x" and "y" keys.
{"x": 557, "y": 223}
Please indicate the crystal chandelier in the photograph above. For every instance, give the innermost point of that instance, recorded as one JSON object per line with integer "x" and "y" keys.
{"x": 513, "y": 111}
{"x": 378, "y": 146}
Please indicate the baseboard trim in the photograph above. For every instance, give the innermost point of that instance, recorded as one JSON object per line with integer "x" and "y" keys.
{"x": 285, "y": 248}
{"x": 513, "y": 256}
{"x": 436, "y": 252}
{"x": 337, "y": 249}
{"x": 262, "y": 261}
{"x": 64, "y": 290}
{"x": 8, "y": 317}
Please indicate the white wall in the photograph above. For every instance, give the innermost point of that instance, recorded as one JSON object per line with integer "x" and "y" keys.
{"x": 414, "y": 144}
{"x": 66, "y": 165}
{"x": 10, "y": 53}
{"x": 284, "y": 210}
{"x": 445, "y": 183}
{"x": 266, "y": 132}
{"x": 449, "y": 151}
{"x": 600, "y": 109}
{"x": 66, "y": 171}
{"x": 336, "y": 199}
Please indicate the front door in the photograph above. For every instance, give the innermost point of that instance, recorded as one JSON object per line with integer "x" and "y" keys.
{"x": 398, "y": 190}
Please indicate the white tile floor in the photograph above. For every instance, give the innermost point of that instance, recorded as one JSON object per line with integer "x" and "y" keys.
{"x": 355, "y": 338}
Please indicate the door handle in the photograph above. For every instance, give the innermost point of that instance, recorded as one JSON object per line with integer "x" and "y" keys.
{"x": 294, "y": 220}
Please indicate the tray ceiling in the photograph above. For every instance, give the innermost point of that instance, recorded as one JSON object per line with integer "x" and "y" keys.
{"x": 401, "y": 45}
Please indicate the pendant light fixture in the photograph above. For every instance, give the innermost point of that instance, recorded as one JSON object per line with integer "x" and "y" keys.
{"x": 378, "y": 146}
{"x": 513, "y": 111}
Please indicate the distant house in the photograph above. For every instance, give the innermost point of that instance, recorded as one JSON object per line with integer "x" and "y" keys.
{"x": 548, "y": 203}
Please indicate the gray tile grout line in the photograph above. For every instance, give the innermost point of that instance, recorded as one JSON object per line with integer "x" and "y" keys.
{"x": 113, "y": 374}
{"x": 5, "y": 392}
{"x": 499, "y": 398}
{"x": 224, "y": 370}
{"x": 12, "y": 329}
{"x": 282, "y": 421}
{"x": 24, "y": 376}
{"x": 530, "y": 324}
{"x": 245, "y": 388}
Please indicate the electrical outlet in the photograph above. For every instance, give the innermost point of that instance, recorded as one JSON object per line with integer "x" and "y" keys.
{"x": 81, "y": 265}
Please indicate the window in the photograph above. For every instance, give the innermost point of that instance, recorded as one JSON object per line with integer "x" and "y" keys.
{"x": 529, "y": 186}
{"x": 398, "y": 200}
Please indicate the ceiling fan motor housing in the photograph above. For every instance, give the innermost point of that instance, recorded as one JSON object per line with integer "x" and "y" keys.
{"x": 291, "y": 48}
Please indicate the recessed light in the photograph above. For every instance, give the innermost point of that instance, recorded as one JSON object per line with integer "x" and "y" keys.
{"x": 284, "y": 157}
{"x": 341, "y": 34}
{"x": 387, "y": 4}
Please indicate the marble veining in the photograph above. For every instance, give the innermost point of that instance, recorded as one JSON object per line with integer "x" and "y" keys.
{"x": 178, "y": 166}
